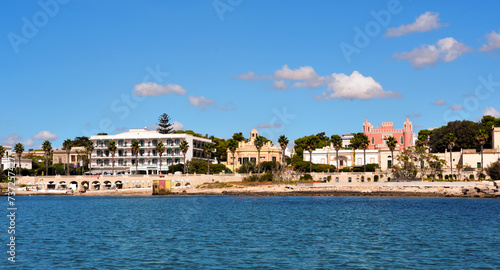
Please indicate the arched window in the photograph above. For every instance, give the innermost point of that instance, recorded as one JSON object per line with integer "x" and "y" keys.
{"x": 373, "y": 140}
{"x": 402, "y": 139}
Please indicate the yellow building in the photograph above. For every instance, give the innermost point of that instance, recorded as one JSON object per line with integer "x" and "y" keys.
{"x": 247, "y": 152}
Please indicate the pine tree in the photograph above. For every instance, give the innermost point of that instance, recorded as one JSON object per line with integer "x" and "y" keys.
{"x": 164, "y": 125}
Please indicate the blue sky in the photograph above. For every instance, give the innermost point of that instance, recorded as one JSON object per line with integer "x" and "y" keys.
{"x": 75, "y": 68}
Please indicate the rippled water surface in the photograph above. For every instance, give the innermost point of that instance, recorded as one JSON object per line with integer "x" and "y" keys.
{"x": 256, "y": 232}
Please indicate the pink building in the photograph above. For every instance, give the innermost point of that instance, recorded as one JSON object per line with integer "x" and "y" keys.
{"x": 379, "y": 136}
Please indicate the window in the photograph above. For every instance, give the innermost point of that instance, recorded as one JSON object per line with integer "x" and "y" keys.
{"x": 402, "y": 139}
{"x": 142, "y": 142}
{"x": 274, "y": 159}
{"x": 349, "y": 179}
{"x": 254, "y": 160}
{"x": 362, "y": 178}
{"x": 389, "y": 164}
{"x": 373, "y": 140}
{"x": 336, "y": 179}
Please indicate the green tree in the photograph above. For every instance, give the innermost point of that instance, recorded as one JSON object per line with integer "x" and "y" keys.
{"x": 220, "y": 147}
{"x": 80, "y": 141}
{"x": 67, "y": 147}
{"x": 494, "y": 170}
{"x": 310, "y": 145}
{"x": 208, "y": 148}
{"x": 184, "y": 146}
{"x": 135, "y": 151}
{"x": 450, "y": 141}
{"x": 283, "y": 141}
{"x": 482, "y": 137}
{"x": 2, "y": 153}
{"x": 391, "y": 143}
{"x": 239, "y": 137}
{"x": 259, "y": 142}
{"x": 19, "y": 149}
{"x": 160, "y": 149}
{"x": 164, "y": 125}
{"x": 232, "y": 145}
{"x": 360, "y": 141}
{"x": 47, "y": 149}
{"x": 337, "y": 144}
{"x": 112, "y": 151}
{"x": 89, "y": 148}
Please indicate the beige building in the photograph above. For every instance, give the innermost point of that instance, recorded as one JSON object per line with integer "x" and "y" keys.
{"x": 76, "y": 155}
{"x": 247, "y": 152}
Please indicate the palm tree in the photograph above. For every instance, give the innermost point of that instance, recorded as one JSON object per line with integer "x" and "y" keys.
{"x": 337, "y": 144}
{"x": 160, "y": 149}
{"x": 310, "y": 145}
{"x": 363, "y": 144}
{"x": 391, "y": 143}
{"x": 184, "y": 146}
{"x": 482, "y": 137}
{"x": 232, "y": 145}
{"x": 2, "y": 152}
{"x": 47, "y": 149}
{"x": 67, "y": 146}
{"x": 89, "y": 147}
{"x": 208, "y": 149}
{"x": 450, "y": 141}
{"x": 283, "y": 141}
{"x": 259, "y": 142}
{"x": 112, "y": 151}
{"x": 19, "y": 149}
{"x": 135, "y": 151}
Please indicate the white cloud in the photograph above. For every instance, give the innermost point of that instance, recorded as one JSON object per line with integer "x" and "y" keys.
{"x": 11, "y": 140}
{"x": 491, "y": 111}
{"x": 29, "y": 142}
{"x": 177, "y": 125}
{"x": 424, "y": 23}
{"x": 439, "y": 102}
{"x": 446, "y": 49}
{"x": 303, "y": 73}
{"x": 456, "y": 107}
{"x": 202, "y": 102}
{"x": 250, "y": 76}
{"x": 280, "y": 84}
{"x": 45, "y": 135}
{"x": 355, "y": 86}
{"x": 493, "y": 42}
{"x": 339, "y": 85}
{"x": 154, "y": 89}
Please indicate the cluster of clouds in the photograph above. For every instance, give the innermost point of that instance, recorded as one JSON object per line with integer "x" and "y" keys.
{"x": 152, "y": 89}
{"x": 14, "y": 138}
{"x": 444, "y": 50}
{"x": 338, "y": 85}
{"x": 457, "y": 107}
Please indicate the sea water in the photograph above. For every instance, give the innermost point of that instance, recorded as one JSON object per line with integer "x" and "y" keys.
{"x": 226, "y": 232}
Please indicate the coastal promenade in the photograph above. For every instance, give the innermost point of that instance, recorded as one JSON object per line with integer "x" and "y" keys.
{"x": 231, "y": 184}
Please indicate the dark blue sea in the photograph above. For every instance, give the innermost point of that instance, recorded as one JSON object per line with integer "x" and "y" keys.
{"x": 254, "y": 233}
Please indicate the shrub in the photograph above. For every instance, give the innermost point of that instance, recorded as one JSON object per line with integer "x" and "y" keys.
{"x": 306, "y": 177}
{"x": 494, "y": 170}
{"x": 446, "y": 177}
{"x": 267, "y": 177}
{"x": 375, "y": 178}
{"x": 368, "y": 179}
{"x": 440, "y": 176}
{"x": 329, "y": 178}
{"x": 471, "y": 177}
{"x": 252, "y": 178}
{"x": 482, "y": 176}
{"x": 345, "y": 169}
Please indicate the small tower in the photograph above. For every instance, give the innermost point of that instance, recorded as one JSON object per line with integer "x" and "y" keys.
{"x": 408, "y": 134}
{"x": 253, "y": 134}
{"x": 367, "y": 126}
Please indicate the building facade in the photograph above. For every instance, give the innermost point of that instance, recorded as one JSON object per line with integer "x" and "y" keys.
{"x": 76, "y": 155}
{"x": 346, "y": 157}
{"x": 10, "y": 160}
{"x": 247, "y": 152}
{"x": 148, "y": 159}
{"x": 379, "y": 136}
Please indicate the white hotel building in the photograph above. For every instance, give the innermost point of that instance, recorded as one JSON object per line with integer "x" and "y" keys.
{"x": 148, "y": 158}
